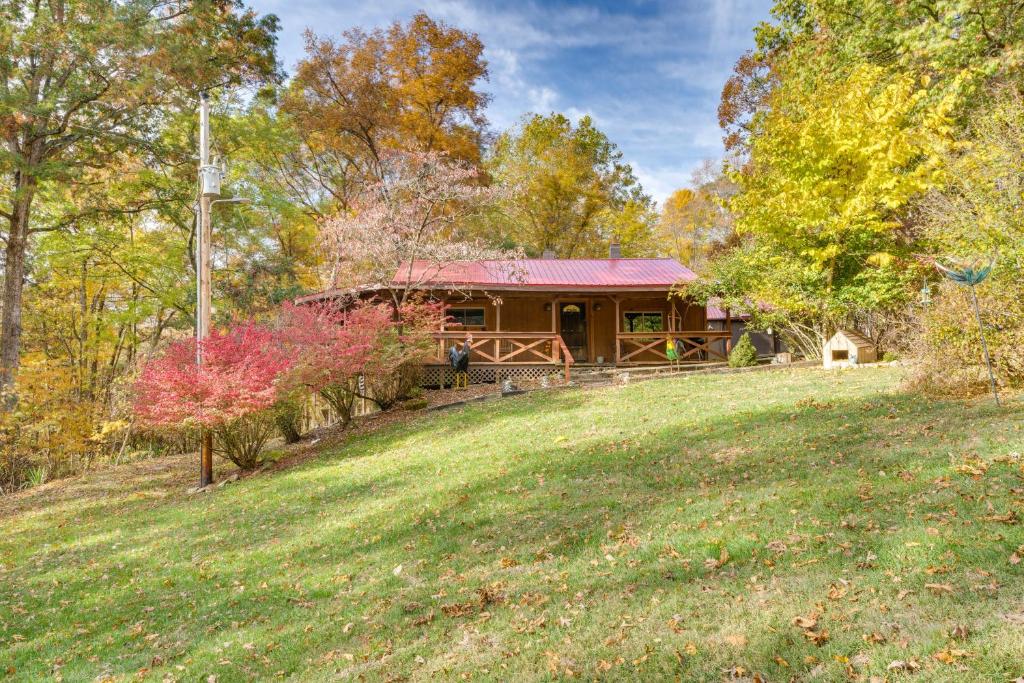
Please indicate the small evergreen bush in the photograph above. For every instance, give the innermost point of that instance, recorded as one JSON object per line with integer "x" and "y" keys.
{"x": 743, "y": 355}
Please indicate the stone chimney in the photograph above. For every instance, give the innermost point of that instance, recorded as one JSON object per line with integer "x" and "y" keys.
{"x": 615, "y": 250}
{"x": 548, "y": 254}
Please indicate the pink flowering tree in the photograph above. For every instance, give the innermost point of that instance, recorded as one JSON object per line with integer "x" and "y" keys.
{"x": 406, "y": 235}
{"x": 232, "y": 393}
{"x": 409, "y": 228}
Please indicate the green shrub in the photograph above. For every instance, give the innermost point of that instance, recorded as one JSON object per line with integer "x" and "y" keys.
{"x": 743, "y": 355}
{"x": 288, "y": 416}
{"x": 242, "y": 440}
{"x": 889, "y": 356}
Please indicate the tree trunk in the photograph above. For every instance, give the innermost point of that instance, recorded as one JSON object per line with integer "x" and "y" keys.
{"x": 14, "y": 278}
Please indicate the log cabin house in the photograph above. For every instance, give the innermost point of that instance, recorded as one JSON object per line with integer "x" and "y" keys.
{"x": 534, "y": 317}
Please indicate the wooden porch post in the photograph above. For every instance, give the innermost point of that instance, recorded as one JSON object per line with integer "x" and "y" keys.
{"x": 728, "y": 326}
{"x": 440, "y": 342}
{"x": 618, "y": 324}
{"x": 497, "y": 315}
{"x": 555, "y": 348}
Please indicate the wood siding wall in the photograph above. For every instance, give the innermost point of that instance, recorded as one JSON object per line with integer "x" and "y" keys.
{"x": 526, "y": 313}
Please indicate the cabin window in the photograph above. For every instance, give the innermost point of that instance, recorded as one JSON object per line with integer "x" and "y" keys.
{"x": 642, "y": 321}
{"x": 466, "y": 317}
{"x": 840, "y": 354}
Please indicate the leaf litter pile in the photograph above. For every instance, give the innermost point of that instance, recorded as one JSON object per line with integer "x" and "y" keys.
{"x": 787, "y": 525}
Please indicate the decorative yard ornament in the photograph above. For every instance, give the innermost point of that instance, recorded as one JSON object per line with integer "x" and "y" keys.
{"x": 670, "y": 350}
{"x": 972, "y": 274}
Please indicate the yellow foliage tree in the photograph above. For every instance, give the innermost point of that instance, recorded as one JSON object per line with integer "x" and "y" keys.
{"x": 834, "y": 163}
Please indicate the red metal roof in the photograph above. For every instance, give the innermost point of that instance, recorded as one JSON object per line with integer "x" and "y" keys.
{"x": 716, "y": 312}
{"x": 538, "y": 274}
{"x": 629, "y": 273}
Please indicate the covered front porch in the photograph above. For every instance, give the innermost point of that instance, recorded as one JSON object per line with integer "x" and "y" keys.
{"x": 527, "y": 335}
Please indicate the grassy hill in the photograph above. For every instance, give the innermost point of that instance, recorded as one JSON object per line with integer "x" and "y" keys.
{"x": 794, "y": 524}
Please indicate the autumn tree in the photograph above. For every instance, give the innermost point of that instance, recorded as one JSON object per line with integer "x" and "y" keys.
{"x": 569, "y": 191}
{"x": 81, "y": 81}
{"x": 400, "y": 230}
{"x": 231, "y": 393}
{"x": 977, "y": 213}
{"x": 744, "y": 95}
{"x": 696, "y": 221}
{"x": 331, "y": 347}
{"x": 843, "y": 122}
{"x": 831, "y": 170}
{"x": 412, "y": 87}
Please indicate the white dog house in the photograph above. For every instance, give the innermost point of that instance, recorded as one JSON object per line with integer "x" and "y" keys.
{"x": 848, "y": 348}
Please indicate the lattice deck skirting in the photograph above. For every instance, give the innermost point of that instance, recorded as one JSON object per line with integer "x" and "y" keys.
{"x": 438, "y": 375}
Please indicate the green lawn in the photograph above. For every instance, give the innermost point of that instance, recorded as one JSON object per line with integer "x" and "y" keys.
{"x": 673, "y": 529}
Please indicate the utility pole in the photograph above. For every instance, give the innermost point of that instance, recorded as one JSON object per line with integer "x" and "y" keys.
{"x": 209, "y": 188}
{"x": 210, "y": 177}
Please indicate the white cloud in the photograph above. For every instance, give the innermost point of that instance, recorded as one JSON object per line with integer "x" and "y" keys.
{"x": 648, "y": 73}
{"x": 542, "y": 99}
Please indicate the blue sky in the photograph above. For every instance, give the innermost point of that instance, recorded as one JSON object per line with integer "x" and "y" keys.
{"x": 649, "y": 72}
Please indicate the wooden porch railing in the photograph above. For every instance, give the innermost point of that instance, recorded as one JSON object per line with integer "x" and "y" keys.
{"x": 509, "y": 348}
{"x": 690, "y": 345}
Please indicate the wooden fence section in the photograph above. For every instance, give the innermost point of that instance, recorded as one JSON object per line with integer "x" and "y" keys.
{"x": 691, "y": 346}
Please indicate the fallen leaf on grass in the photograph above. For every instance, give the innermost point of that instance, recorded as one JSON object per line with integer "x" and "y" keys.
{"x": 736, "y": 640}
{"x": 1009, "y": 518}
{"x": 458, "y": 609}
{"x": 805, "y": 622}
{"x": 819, "y": 638}
{"x": 425, "y": 619}
{"x": 723, "y": 557}
{"x": 939, "y": 588}
{"x": 909, "y": 665}
{"x": 836, "y": 591}
{"x": 959, "y": 632}
{"x": 950, "y": 656}
{"x": 973, "y": 467}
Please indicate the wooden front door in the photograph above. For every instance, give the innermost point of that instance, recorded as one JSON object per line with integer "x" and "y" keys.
{"x": 573, "y": 323}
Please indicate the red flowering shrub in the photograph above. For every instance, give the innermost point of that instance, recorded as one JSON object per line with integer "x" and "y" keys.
{"x": 331, "y": 348}
{"x": 395, "y": 364}
{"x": 253, "y": 379}
{"x": 231, "y": 393}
